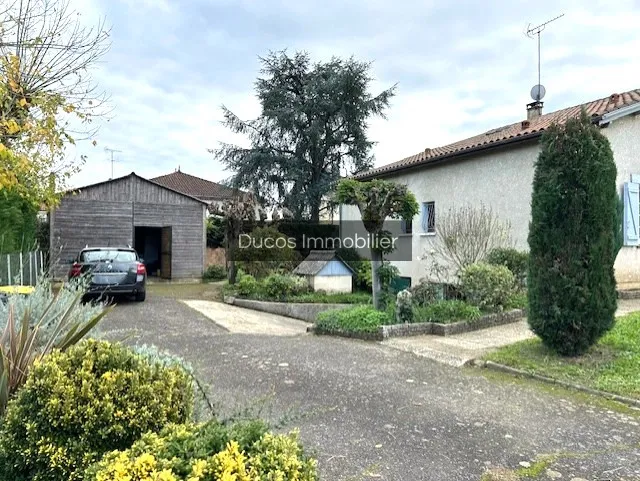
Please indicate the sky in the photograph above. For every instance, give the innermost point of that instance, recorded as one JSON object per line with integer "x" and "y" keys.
{"x": 461, "y": 68}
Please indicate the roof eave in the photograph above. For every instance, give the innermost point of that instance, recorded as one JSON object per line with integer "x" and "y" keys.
{"x": 451, "y": 156}
{"x": 619, "y": 113}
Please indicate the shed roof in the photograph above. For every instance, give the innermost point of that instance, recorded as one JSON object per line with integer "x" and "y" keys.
{"x": 315, "y": 261}
{"x": 133, "y": 174}
{"x": 516, "y": 132}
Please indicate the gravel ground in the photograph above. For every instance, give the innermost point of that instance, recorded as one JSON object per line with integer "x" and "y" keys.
{"x": 369, "y": 411}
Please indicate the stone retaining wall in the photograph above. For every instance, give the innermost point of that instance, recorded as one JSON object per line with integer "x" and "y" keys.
{"x": 422, "y": 328}
{"x": 303, "y": 311}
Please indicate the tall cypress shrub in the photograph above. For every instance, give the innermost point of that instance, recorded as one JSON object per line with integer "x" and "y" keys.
{"x": 572, "y": 238}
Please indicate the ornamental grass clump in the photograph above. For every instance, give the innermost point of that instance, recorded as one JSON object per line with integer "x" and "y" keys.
{"x": 80, "y": 404}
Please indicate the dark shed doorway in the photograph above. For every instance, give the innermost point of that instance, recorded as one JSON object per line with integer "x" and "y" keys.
{"x": 148, "y": 243}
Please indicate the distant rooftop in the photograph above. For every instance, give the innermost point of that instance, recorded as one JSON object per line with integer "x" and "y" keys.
{"x": 195, "y": 186}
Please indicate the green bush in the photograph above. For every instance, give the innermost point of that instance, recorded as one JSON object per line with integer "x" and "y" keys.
{"x": 446, "y": 312}
{"x": 215, "y": 232}
{"x": 425, "y": 292}
{"x": 572, "y": 238}
{"x": 80, "y": 404}
{"x": 212, "y": 451}
{"x": 269, "y": 252}
{"x": 321, "y": 297}
{"x": 279, "y": 287}
{"x": 247, "y": 286}
{"x": 487, "y": 286}
{"x": 215, "y": 273}
{"x": 353, "y": 319}
{"x": 516, "y": 261}
{"x": 404, "y": 307}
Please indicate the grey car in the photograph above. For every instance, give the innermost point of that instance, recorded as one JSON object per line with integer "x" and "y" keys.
{"x": 111, "y": 271}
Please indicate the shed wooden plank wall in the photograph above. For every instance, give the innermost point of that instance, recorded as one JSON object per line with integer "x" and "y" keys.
{"x": 108, "y": 214}
{"x": 76, "y": 223}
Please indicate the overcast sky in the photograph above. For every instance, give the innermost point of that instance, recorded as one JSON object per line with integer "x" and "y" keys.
{"x": 462, "y": 67}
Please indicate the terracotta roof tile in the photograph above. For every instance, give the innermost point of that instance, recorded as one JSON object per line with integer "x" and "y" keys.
{"x": 508, "y": 133}
{"x": 194, "y": 186}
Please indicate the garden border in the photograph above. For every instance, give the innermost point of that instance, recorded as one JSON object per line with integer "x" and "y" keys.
{"x": 422, "y": 328}
{"x": 494, "y": 366}
{"x": 304, "y": 311}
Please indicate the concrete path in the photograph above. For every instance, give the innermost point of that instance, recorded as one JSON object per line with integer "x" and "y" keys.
{"x": 462, "y": 348}
{"x": 246, "y": 321}
{"x": 370, "y": 412}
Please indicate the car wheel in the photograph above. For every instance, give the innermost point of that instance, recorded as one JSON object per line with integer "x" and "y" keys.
{"x": 140, "y": 296}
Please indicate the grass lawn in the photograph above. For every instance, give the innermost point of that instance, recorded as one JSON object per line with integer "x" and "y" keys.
{"x": 612, "y": 365}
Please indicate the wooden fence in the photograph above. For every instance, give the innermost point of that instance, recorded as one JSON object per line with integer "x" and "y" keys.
{"x": 22, "y": 268}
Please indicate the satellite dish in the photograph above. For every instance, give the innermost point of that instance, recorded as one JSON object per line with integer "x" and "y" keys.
{"x": 537, "y": 92}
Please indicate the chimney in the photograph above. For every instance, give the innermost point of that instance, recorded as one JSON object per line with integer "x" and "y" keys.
{"x": 534, "y": 110}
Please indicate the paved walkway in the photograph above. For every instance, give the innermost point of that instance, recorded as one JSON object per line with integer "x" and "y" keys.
{"x": 370, "y": 412}
{"x": 462, "y": 348}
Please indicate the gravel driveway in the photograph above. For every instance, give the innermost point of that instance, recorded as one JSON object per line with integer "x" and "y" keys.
{"x": 371, "y": 412}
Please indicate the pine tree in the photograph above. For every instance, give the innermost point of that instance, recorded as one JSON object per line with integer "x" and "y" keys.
{"x": 572, "y": 238}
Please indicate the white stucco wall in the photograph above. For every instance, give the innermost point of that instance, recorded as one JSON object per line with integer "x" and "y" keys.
{"x": 331, "y": 283}
{"x": 502, "y": 179}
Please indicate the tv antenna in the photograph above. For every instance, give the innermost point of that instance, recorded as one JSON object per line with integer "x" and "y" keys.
{"x": 112, "y": 151}
{"x": 538, "y": 91}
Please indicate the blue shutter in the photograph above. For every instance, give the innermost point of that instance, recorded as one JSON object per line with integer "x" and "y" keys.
{"x": 631, "y": 213}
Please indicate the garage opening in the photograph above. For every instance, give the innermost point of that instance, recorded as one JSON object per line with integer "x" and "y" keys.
{"x": 148, "y": 243}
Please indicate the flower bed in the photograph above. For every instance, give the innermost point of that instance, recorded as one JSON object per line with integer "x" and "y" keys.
{"x": 386, "y": 331}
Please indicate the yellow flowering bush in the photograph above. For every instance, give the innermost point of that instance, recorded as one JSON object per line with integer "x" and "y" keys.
{"x": 77, "y": 405}
{"x": 213, "y": 451}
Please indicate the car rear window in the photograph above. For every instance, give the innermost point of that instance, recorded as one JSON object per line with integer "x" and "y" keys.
{"x": 113, "y": 255}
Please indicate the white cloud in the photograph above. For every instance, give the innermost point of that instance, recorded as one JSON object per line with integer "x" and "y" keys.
{"x": 461, "y": 69}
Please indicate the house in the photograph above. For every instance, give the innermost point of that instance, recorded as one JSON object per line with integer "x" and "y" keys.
{"x": 496, "y": 168}
{"x": 166, "y": 227}
{"x": 212, "y": 193}
{"x": 325, "y": 271}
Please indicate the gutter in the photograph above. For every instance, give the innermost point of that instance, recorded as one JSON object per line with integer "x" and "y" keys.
{"x": 617, "y": 114}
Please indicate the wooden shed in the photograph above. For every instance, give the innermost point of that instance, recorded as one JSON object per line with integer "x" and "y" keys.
{"x": 166, "y": 227}
{"x": 325, "y": 271}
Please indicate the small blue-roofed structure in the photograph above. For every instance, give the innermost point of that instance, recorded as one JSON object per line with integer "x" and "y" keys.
{"x": 325, "y": 271}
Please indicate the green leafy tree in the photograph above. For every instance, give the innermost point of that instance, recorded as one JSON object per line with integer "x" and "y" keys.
{"x": 18, "y": 222}
{"x": 572, "y": 238}
{"x": 312, "y": 130}
{"x": 377, "y": 201}
{"x": 46, "y": 93}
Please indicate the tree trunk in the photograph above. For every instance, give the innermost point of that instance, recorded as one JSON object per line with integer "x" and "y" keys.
{"x": 231, "y": 255}
{"x": 376, "y": 262}
{"x": 315, "y": 211}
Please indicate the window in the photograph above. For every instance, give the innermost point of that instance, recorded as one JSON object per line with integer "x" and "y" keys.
{"x": 429, "y": 217}
{"x": 406, "y": 226}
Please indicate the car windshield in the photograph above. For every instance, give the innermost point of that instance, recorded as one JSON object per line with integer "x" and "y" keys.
{"x": 113, "y": 255}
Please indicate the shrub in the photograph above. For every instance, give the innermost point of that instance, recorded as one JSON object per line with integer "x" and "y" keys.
{"x": 80, "y": 404}
{"x": 247, "y": 286}
{"x": 34, "y": 325}
{"x": 215, "y": 273}
{"x": 572, "y": 238}
{"x": 353, "y": 319}
{"x": 280, "y": 287}
{"x": 268, "y": 252}
{"x": 486, "y": 286}
{"x": 404, "y": 307}
{"x": 516, "y": 261}
{"x": 241, "y": 451}
{"x": 425, "y": 292}
{"x": 320, "y": 297}
{"x": 447, "y": 311}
